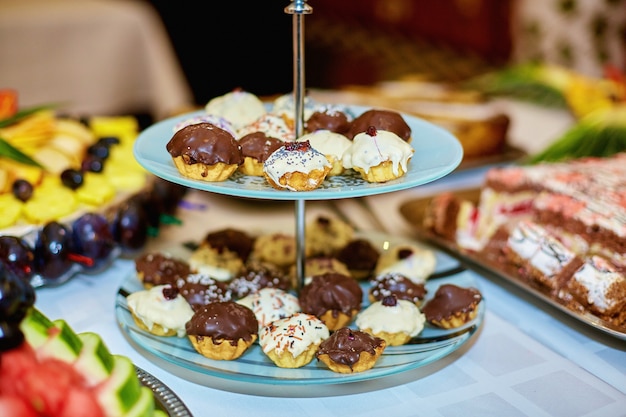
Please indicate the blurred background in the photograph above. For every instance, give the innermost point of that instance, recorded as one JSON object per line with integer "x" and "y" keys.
{"x": 156, "y": 57}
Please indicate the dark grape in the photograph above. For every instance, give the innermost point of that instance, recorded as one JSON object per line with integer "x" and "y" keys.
{"x": 72, "y": 178}
{"x": 17, "y": 256}
{"x": 108, "y": 141}
{"x": 16, "y": 297}
{"x": 130, "y": 225}
{"x": 92, "y": 237}
{"x": 99, "y": 150}
{"x": 53, "y": 247}
{"x": 22, "y": 189}
{"x": 167, "y": 194}
{"x": 92, "y": 163}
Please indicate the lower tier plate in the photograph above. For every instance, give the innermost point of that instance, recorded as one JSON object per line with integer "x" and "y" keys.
{"x": 254, "y": 373}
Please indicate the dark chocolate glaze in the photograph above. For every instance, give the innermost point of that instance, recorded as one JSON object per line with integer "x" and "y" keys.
{"x": 359, "y": 254}
{"x": 382, "y": 120}
{"x": 200, "y": 290}
{"x": 257, "y": 275}
{"x": 328, "y": 119}
{"x": 331, "y": 292}
{"x": 232, "y": 239}
{"x": 258, "y": 145}
{"x": 225, "y": 320}
{"x": 449, "y": 300}
{"x": 345, "y": 345}
{"x": 205, "y": 143}
{"x": 157, "y": 268}
{"x": 399, "y": 285}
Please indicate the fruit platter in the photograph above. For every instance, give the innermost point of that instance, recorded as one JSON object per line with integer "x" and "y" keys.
{"x": 62, "y": 214}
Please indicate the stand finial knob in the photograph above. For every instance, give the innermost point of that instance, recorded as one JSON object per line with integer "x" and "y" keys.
{"x": 299, "y": 7}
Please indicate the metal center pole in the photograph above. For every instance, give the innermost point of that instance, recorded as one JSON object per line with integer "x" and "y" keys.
{"x": 298, "y": 9}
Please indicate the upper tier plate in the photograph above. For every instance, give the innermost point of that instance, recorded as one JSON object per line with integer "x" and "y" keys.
{"x": 437, "y": 153}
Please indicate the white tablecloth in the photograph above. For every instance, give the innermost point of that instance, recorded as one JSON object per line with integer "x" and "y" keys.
{"x": 94, "y": 57}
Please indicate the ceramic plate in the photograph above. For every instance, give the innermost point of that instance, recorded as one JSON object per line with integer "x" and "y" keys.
{"x": 254, "y": 373}
{"x": 437, "y": 153}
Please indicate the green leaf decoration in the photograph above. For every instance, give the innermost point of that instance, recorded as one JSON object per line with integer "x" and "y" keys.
{"x": 21, "y": 114}
{"x": 600, "y": 134}
{"x": 9, "y": 151}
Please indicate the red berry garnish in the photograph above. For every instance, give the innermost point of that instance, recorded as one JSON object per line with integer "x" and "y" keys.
{"x": 170, "y": 292}
{"x": 302, "y": 146}
{"x": 390, "y": 300}
{"x": 371, "y": 131}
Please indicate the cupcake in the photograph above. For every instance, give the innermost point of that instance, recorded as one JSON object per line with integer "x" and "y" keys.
{"x": 333, "y": 118}
{"x": 222, "y": 330}
{"x": 414, "y": 262}
{"x": 271, "y": 304}
{"x": 360, "y": 256}
{"x": 395, "y": 321}
{"x": 381, "y": 119}
{"x": 334, "y": 298}
{"x": 157, "y": 268}
{"x": 256, "y": 148}
{"x": 257, "y": 275}
{"x": 160, "y": 310}
{"x": 239, "y": 107}
{"x": 201, "y": 289}
{"x": 205, "y": 152}
{"x": 394, "y": 283}
{"x": 348, "y": 351}
{"x": 452, "y": 306}
{"x": 378, "y": 155}
{"x": 325, "y": 235}
{"x": 332, "y": 145}
{"x": 222, "y": 264}
{"x": 296, "y": 166}
{"x": 293, "y": 341}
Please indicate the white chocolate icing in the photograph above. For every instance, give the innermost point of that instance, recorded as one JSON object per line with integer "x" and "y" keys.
{"x": 417, "y": 266}
{"x": 272, "y": 125}
{"x": 239, "y": 107}
{"x": 404, "y": 317}
{"x": 368, "y": 151}
{"x": 151, "y": 307}
{"x": 284, "y": 161}
{"x": 294, "y": 334}
{"x": 218, "y": 121}
{"x": 284, "y": 105}
{"x": 329, "y": 143}
{"x": 270, "y": 304}
{"x": 541, "y": 250}
{"x": 600, "y": 280}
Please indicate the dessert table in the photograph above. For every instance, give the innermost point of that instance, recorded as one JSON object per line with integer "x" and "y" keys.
{"x": 527, "y": 359}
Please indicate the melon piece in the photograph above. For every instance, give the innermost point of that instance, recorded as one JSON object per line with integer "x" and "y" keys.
{"x": 122, "y": 389}
{"x": 35, "y": 327}
{"x": 62, "y": 343}
{"x": 95, "y": 361}
{"x": 144, "y": 407}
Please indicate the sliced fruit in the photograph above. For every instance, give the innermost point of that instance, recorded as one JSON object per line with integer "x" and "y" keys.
{"x": 96, "y": 190}
{"x": 62, "y": 343}
{"x": 144, "y": 407}
{"x": 35, "y": 327}
{"x": 30, "y": 173}
{"x": 95, "y": 361}
{"x": 50, "y": 203}
{"x": 10, "y": 210}
{"x": 122, "y": 389}
{"x": 75, "y": 129}
{"x": 54, "y": 160}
